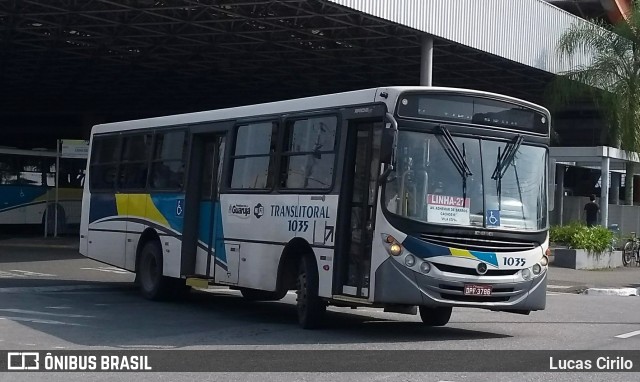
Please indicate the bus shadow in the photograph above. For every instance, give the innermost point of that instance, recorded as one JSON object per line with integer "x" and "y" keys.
{"x": 115, "y": 315}
{"x": 339, "y": 326}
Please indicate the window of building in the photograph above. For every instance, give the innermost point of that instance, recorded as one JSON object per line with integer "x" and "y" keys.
{"x": 309, "y": 153}
{"x": 252, "y": 159}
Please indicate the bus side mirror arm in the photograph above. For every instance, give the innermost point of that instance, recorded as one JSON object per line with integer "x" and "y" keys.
{"x": 389, "y": 146}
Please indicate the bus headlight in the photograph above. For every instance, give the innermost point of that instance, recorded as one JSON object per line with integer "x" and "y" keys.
{"x": 425, "y": 267}
{"x": 410, "y": 261}
{"x": 395, "y": 249}
{"x": 526, "y": 274}
{"x": 544, "y": 261}
{"x": 391, "y": 245}
{"x": 537, "y": 268}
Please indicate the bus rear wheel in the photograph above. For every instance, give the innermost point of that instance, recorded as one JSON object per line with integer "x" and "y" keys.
{"x": 309, "y": 305}
{"x": 435, "y": 316}
{"x": 153, "y": 285}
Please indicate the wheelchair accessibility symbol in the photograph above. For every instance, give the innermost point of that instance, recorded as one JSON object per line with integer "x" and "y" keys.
{"x": 179, "y": 207}
{"x": 493, "y": 218}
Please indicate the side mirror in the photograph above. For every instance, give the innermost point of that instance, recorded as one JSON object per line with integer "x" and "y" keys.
{"x": 386, "y": 146}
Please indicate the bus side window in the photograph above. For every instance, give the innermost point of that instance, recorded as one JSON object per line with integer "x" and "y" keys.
{"x": 252, "y": 159}
{"x": 309, "y": 153}
{"x": 134, "y": 165}
{"x": 104, "y": 163}
{"x": 167, "y": 167}
{"x": 8, "y": 169}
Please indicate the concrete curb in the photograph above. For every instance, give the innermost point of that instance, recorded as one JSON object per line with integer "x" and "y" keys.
{"x": 613, "y": 291}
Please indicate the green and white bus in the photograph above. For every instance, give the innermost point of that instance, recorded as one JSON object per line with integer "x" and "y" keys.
{"x": 396, "y": 197}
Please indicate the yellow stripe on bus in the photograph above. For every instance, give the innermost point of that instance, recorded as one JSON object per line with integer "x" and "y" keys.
{"x": 139, "y": 205}
{"x": 461, "y": 253}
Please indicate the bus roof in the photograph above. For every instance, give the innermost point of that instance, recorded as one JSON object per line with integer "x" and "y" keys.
{"x": 356, "y": 97}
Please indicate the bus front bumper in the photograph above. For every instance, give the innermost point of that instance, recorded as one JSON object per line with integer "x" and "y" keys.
{"x": 396, "y": 284}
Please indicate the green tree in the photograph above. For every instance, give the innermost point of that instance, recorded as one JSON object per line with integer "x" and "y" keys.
{"x": 611, "y": 78}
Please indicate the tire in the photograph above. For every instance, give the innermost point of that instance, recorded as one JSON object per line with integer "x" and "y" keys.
{"x": 261, "y": 295}
{"x": 153, "y": 285}
{"x": 627, "y": 254}
{"x": 309, "y": 306}
{"x": 438, "y": 316}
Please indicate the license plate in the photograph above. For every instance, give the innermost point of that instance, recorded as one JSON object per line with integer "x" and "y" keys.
{"x": 477, "y": 290}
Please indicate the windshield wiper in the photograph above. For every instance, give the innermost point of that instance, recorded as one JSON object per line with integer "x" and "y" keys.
{"x": 459, "y": 159}
{"x": 505, "y": 159}
{"x": 502, "y": 164}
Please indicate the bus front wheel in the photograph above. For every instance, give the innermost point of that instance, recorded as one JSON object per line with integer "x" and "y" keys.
{"x": 153, "y": 284}
{"x": 309, "y": 305}
{"x": 438, "y": 316}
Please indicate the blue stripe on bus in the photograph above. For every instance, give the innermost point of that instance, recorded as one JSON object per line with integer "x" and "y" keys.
{"x": 102, "y": 206}
{"x": 221, "y": 253}
{"x": 14, "y": 196}
{"x": 423, "y": 249}
{"x": 205, "y": 230}
{"x": 166, "y": 205}
{"x": 426, "y": 250}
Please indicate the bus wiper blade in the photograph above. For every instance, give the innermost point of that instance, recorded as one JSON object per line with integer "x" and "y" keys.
{"x": 452, "y": 150}
{"x": 506, "y": 158}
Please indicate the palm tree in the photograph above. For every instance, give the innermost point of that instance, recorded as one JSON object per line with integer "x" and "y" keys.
{"x": 611, "y": 78}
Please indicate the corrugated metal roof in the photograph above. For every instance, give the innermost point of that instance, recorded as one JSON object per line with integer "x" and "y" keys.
{"x": 524, "y": 31}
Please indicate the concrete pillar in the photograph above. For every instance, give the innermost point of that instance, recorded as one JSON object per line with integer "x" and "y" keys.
{"x": 604, "y": 192}
{"x": 614, "y": 196}
{"x": 559, "y": 196}
{"x": 426, "y": 60}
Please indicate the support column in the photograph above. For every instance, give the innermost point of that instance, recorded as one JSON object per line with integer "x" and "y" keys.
{"x": 614, "y": 197}
{"x": 604, "y": 192}
{"x": 559, "y": 195}
{"x": 426, "y": 60}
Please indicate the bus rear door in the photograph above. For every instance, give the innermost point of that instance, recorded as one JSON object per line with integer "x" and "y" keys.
{"x": 202, "y": 206}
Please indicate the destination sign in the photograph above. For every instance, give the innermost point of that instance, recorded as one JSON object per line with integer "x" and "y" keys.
{"x": 472, "y": 110}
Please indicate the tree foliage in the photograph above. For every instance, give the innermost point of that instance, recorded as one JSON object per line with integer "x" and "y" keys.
{"x": 611, "y": 78}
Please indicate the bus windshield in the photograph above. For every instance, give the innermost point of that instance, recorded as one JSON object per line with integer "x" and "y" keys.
{"x": 443, "y": 179}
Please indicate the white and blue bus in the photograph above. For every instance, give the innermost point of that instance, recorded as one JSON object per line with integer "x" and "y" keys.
{"x": 397, "y": 197}
{"x": 27, "y": 189}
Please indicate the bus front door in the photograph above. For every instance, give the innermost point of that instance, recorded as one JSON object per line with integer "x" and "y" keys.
{"x": 202, "y": 215}
{"x": 358, "y": 206}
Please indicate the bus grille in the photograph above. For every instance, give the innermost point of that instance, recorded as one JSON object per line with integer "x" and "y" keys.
{"x": 472, "y": 271}
{"x": 483, "y": 244}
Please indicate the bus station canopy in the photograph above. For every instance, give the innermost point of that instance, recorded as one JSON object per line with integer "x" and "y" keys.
{"x": 591, "y": 157}
{"x": 105, "y": 60}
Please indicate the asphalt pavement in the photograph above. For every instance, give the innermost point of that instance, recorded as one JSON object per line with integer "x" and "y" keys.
{"x": 51, "y": 298}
